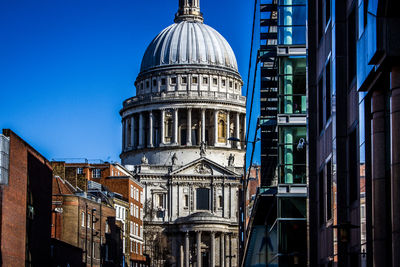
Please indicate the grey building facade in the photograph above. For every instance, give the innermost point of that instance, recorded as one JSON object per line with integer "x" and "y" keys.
{"x": 354, "y": 133}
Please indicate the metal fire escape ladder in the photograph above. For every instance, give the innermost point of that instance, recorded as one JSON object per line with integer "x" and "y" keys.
{"x": 269, "y": 91}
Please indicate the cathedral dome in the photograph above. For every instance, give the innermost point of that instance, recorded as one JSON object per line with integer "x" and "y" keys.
{"x": 189, "y": 42}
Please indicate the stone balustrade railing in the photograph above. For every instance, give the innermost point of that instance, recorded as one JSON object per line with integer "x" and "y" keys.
{"x": 206, "y": 95}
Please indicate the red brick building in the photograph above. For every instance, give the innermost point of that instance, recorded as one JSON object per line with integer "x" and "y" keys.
{"x": 25, "y": 203}
{"x": 116, "y": 179}
{"x": 88, "y": 222}
{"x": 254, "y": 182}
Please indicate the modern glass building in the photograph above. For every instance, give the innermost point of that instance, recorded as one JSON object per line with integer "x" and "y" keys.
{"x": 277, "y": 234}
{"x": 354, "y": 131}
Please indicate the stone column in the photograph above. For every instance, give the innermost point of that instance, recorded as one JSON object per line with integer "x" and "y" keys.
{"x": 237, "y": 129}
{"x": 126, "y": 134}
{"x": 395, "y": 179}
{"x": 212, "y": 248}
{"x": 151, "y": 129}
{"x": 123, "y": 135}
{"x": 132, "y": 131}
{"x": 222, "y": 250}
{"x": 215, "y": 127}
{"x": 203, "y": 125}
{"x": 176, "y": 122}
{"x": 182, "y": 256}
{"x": 244, "y": 131}
{"x": 227, "y": 254}
{"x": 189, "y": 127}
{"x": 162, "y": 127}
{"x": 228, "y": 123}
{"x": 187, "y": 249}
{"x": 141, "y": 130}
{"x": 198, "y": 242}
{"x": 379, "y": 214}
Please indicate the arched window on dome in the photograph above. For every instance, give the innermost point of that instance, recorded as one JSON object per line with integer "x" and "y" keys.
{"x": 221, "y": 128}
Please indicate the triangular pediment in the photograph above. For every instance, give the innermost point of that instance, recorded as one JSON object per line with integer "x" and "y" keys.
{"x": 204, "y": 167}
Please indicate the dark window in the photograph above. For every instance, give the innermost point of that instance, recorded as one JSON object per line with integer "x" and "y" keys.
{"x": 163, "y": 81}
{"x": 321, "y": 195}
{"x": 320, "y": 106}
{"x": 320, "y": 20}
{"x": 203, "y": 199}
{"x": 223, "y": 82}
{"x": 220, "y": 201}
{"x": 230, "y": 84}
{"x": 328, "y": 86}
{"x": 96, "y": 173}
{"x": 329, "y": 190}
{"x": 194, "y": 79}
{"x": 353, "y": 168}
{"x": 154, "y": 82}
{"x": 351, "y": 44}
{"x": 186, "y": 201}
{"x": 215, "y": 81}
{"x": 147, "y": 84}
{"x": 173, "y": 80}
{"x": 184, "y": 80}
{"x": 205, "y": 80}
{"x": 327, "y": 11}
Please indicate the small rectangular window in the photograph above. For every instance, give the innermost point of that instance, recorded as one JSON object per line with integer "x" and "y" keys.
{"x": 215, "y": 81}
{"x": 173, "y": 80}
{"x": 329, "y": 191}
{"x": 186, "y": 201}
{"x": 147, "y": 84}
{"x": 328, "y": 100}
{"x": 327, "y": 11}
{"x": 321, "y": 194}
{"x": 230, "y": 84}
{"x": 194, "y": 80}
{"x": 154, "y": 82}
{"x": 220, "y": 201}
{"x": 223, "y": 82}
{"x": 83, "y": 219}
{"x": 184, "y": 80}
{"x": 96, "y": 173}
{"x": 205, "y": 80}
{"x": 79, "y": 171}
{"x": 320, "y": 105}
{"x": 163, "y": 81}
{"x": 236, "y": 86}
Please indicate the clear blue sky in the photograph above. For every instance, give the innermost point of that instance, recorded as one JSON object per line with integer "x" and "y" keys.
{"x": 67, "y": 65}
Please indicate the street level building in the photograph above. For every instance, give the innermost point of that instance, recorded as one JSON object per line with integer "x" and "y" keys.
{"x": 176, "y": 133}
{"x": 354, "y": 131}
{"x": 277, "y": 232}
{"x": 125, "y": 184}
{"x": 25, "y": 203}
{"x": 86, "y": 221}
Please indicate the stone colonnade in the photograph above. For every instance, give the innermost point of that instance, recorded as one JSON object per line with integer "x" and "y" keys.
{"x": 154, "y": 128}
{"x": 192, "y": 254}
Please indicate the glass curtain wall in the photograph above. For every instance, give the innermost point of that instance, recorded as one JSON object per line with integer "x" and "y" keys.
{"x": 292, "y": 22}
{"x": 292, "y": 85}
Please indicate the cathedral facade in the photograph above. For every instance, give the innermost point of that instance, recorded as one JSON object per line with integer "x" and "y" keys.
{"x": 180, "y": 137}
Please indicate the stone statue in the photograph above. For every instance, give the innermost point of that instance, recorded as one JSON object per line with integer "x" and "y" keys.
{"x": 174, "y": 159}
{"x": 231, "y": 160}
{"x": 202, "y": 148}
{"x": 144, "y": 159}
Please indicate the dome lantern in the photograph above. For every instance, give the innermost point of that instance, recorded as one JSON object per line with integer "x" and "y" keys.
{"x": 189, "y": 10}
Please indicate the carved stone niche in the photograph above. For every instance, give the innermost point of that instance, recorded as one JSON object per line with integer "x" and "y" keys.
{"x": 203, "y": 168}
